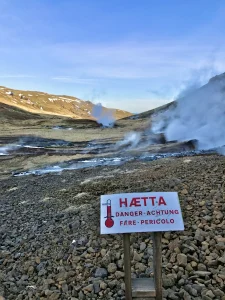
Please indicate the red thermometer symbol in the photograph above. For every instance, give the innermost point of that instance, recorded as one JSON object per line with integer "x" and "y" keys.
{"x": 109, "y": 221}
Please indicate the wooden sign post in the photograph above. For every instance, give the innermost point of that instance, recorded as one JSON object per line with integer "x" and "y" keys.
{"x": 144, "y": 287}
{"x": 127, "y": 266}
{"x": 141, "y": 212}
{"x": 157, "y": 262}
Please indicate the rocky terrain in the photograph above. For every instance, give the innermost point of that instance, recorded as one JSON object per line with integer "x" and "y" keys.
{"x": 50, "y": 242}
{"x": 53, "y": 171}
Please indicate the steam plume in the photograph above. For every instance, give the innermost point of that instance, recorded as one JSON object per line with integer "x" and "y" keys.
{"x": 103, "y": 117}
{"x": 200, "y": 115}
{"x": 131, "y": 140}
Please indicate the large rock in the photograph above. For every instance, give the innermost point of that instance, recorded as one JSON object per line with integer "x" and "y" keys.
{"x": 101, "y": 272}
{"x": 112, "y": 268}
{"x": 88, "y": 288}
{"x": 137, "y": 256}
{"x": 169, "y": 280}
{"x": 182, "y": 259}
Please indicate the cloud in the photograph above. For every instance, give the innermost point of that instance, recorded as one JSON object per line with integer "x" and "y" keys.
{"x": 144, "y": 57}
{"x": 68, "y": 79}
{"x": 17, "y": 76}
{"x": 131, "y": 60}
{"x": 143, "y": 72}
{"x": 86, "y": 63}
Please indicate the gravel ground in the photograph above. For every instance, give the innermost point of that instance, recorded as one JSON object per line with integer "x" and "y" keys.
{"x": 50, "y": 246}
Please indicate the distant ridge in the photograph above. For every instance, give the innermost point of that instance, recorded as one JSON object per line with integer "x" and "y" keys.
{"x": 50, "y": 104}
{"x": 215, "y": 84}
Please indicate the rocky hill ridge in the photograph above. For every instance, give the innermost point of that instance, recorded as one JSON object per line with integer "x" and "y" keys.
{"x": 44, "y": 103}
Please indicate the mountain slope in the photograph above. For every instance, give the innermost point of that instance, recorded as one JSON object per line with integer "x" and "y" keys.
{"x": 10, "y": 113}
{"x": 44, "y": 103}
{"x": 215, "y": 86}
{"x": 199, "y": 115}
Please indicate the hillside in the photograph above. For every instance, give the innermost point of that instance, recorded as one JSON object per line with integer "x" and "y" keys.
{"x": 151, "y": 112}
{"x": 44, "y": 103}
{"x": 215, "y": 86}
{"x": 10, "y": 113}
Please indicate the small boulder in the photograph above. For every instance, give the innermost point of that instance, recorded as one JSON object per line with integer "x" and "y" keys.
{"x": 182, "y": 259}
{"x": 101, "y": 272}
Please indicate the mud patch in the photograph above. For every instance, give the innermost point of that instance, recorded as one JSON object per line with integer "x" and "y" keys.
{"x": 107, "y": 161}
{"x": 34, "y": 145}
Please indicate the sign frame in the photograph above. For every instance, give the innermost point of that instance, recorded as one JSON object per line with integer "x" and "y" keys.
{"x": 140, "y": 212}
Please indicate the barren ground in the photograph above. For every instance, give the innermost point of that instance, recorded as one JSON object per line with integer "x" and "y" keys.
{"x": 40, "y": 216}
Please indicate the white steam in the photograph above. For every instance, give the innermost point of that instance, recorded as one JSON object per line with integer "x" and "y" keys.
{"x": 200, "y": 115}
{"x": 5, "y": 150}
{"x": 130, "y": 140}
{"x": 103, "y": 117}
{"x": 8, "y": 149}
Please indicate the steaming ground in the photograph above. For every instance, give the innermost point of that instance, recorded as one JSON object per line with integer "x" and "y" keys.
{"x": 49, "y": 221}
{"x": 199, "y": 115}
{"x": 32, "y": 144}
{"x": 193, "y": 125}
{"x": 53, "y": 149}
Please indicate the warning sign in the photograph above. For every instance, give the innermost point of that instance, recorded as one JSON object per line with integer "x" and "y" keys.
{"x": 140, "y": 212}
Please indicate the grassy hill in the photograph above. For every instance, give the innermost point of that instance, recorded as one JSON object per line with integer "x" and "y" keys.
{"x": 14, "y": 118}
{"x": 44, "y": 103}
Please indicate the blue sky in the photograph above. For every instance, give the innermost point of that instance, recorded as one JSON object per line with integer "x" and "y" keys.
{"x": 128, "y": 54}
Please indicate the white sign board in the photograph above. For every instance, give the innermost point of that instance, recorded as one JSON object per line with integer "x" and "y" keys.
{"x": 140, "y": 212}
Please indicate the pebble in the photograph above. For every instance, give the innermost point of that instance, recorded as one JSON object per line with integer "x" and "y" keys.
{"x": 101, "y": 272}
{"x": 49, "y": 252}
{"x": 182, "y": 259}
{"x": 142, "y": 246}
{"x": 112, "y": 267}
